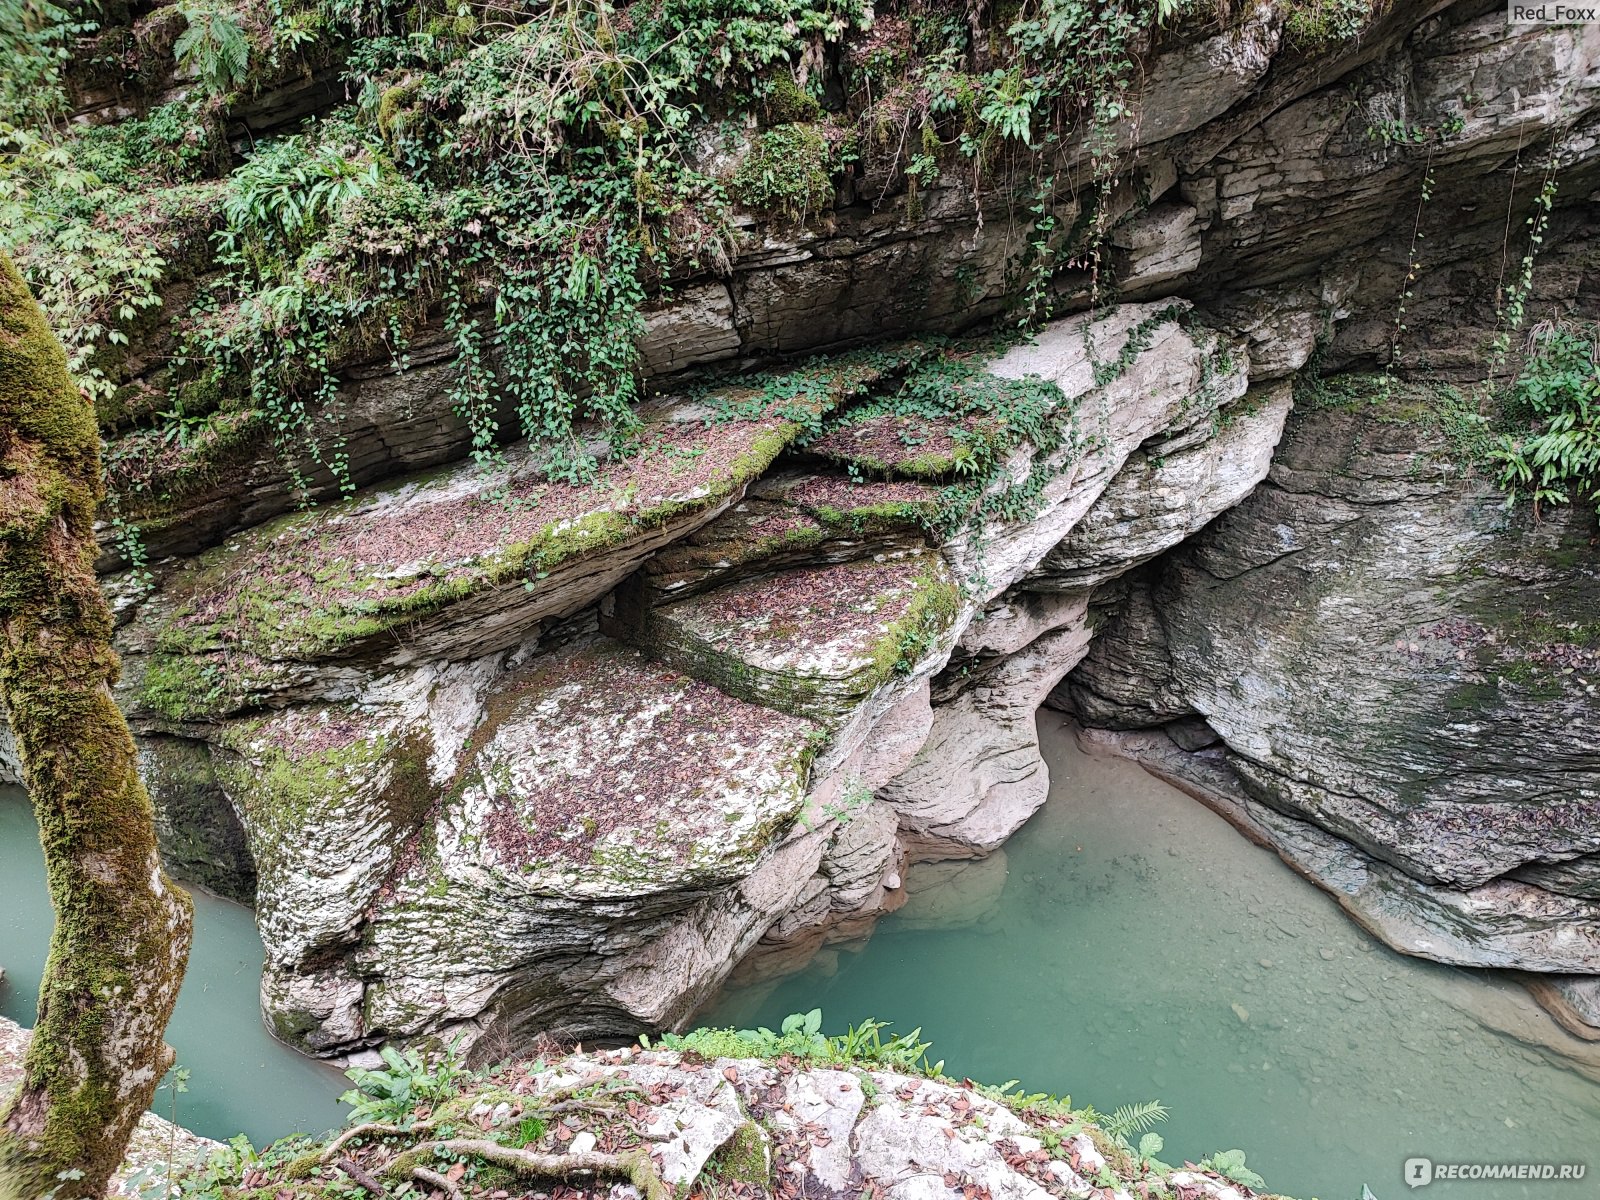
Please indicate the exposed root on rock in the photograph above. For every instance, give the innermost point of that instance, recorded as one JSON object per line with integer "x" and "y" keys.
{"x": 436, "y": 1181}
{"x": 361, "y": 1178}
{"x": 636, "y": 1166}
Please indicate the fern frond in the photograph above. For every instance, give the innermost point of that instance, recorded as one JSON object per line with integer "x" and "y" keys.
{"x": 1134, "y": 1118}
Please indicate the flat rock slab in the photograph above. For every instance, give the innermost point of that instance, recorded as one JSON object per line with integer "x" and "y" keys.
{"x": 857, "y": 504}
{"x": 904, "y": 446}
{"x": 602, "y": 773}
{"x": 792, "y": 520}
{"x": 812, "y": 641}
{"x": 454, "y": 564}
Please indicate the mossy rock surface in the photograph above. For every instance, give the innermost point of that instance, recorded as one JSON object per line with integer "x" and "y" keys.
{"x": 326, "y": 793}
{"x": 362, "y": 577}
{"x": 789, "y": 521}
{"x": 602, "y": 773}
{"x": 816, "y": 640}
{"x": 902, "y": 446}
{"x": 855, "y": 507}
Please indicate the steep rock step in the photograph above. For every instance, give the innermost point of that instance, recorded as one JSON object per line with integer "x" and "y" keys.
{"x": 605, "y": 800}
{"x": 815, "y": 641}
{"x": 787, "y": 520}
{"x": 457, "y": 563}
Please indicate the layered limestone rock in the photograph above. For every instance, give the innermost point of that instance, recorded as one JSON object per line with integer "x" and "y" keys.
{"x": 714, "y": 1116}
{"x": 484, "y": 787}
{"x": 1403, "y": 675}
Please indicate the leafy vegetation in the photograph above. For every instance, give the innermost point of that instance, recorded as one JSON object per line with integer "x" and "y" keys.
{"x": 1230, "y": 1165}
{"x": 1320, "y": 23}
{"x": 528, "y": 181}
{"x": 789, "y": 171}
{"x": 800, "y": 1036}
{"x": 1554, "y": 456}
{"x": 392, "y": 1093}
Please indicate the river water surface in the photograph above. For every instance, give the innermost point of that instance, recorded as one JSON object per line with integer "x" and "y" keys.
{"x": 240, "y": 1079}
{"x": 1127, "y": 945}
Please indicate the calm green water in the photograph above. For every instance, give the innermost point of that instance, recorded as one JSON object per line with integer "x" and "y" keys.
{"x": 1103, "y": 952}
{"x": 241, "y": 1080}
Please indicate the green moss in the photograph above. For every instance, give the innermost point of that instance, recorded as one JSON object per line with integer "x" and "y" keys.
{"x": 788, "y": 172}
{"x": 1312, "y": 25}
{"x": 745, "y": 1158}
{"x": 180, "y": 688}
{"x": 933, "y": 608}
{"x": 787, "y": 102}
{"x": 283, "y": 792}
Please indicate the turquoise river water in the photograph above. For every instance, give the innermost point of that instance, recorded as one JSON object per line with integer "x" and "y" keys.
{"x": 241, "y": 1080}
{"x": 1126, "y": 945}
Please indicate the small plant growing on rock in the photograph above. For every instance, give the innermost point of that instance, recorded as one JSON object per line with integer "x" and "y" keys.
{"x": 1556, "y": 458}
{"x": 391, "y": 1094}
{"x": 789, "y": 172}
{"x": 1230, "y": 1165}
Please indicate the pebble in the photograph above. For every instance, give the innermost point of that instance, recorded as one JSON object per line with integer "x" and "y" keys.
{"x": 1328, "y": 954}
{"x": 583, "y": 1143}
{"x": 1241, "y": 1012}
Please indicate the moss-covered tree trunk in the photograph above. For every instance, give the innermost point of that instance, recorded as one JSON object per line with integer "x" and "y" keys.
{"x": 122, "y": 928}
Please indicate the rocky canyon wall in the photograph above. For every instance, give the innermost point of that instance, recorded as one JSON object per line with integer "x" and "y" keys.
{"x": 493, "y": 754}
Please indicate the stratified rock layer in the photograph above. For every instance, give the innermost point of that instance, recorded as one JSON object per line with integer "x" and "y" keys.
{"x": 484, "y": 787}
{"x": 1404, "y": 676}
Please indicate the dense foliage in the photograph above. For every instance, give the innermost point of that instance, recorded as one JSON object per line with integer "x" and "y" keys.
{"x": 525, "y": 174}
{"x": 1554, "y": 456}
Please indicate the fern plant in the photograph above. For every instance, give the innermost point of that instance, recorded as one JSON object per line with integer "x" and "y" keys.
{"x": 1556, "y": 460}
{"x": 1130, "y": 1119}
{"x": 213, "y": 47}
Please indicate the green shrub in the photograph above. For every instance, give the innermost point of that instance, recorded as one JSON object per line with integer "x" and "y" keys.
{"x": 406, "y": 1080}
{"x": 1318, "y": 24}
{"x": 1555, "y": 458}
{"x": 788, "y": 172}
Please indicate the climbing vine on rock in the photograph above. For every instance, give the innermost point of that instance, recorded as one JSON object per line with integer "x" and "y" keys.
{"x": 527, "y": 181}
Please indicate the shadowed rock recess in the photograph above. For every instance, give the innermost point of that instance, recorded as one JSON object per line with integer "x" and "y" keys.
{"x": 495, "y": 754}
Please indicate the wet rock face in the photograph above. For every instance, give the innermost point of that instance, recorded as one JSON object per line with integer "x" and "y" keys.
{"x": 1404, "y": 675}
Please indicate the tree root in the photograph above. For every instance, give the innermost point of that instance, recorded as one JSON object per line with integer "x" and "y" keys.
{"x": 302, "y": 1166}
{"x": 435, "y": 1180}
{"x": 602, "y": 1108}
{"x": 365, "y": 1181}
{"x": 636, "y": 1166}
